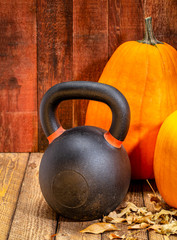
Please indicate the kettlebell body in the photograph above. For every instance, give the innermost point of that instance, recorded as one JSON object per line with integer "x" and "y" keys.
{"x": 85, "y": 171}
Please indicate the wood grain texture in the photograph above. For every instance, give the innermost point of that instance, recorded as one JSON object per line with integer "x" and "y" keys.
{"x": 90, "y": 46}
{"x": 135, "y": 196}
{"x": 126, "y": 22}
{"x": 164, "y": 16}
{"x": 70, "y": 230}
{"x": 75, "y": 39}
{"x": 97, "y": 28}
{"x": 33, "y": 218}
{"x": 55, "y": 53}
{"x": 18, "y": 81}
{"x": 12, "y": 170}
{"x": 25, "y": 215}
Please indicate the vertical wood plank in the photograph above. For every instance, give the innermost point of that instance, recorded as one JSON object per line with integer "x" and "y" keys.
{"x": 90, "y": 46}
{"x": 126, "y": 22}
{"x": 18, "y": 82}
{"x": 12, "y": 169}
{"x": 164, "y": 18}
{"x": 55, "y": 51}
{"x": 114, "y": 30}
{"x": 33, "y": 218}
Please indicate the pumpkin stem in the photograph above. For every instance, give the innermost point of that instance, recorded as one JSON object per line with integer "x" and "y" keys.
{"x": 149, "y": 37}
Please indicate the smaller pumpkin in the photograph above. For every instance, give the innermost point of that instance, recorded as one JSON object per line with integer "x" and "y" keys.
{"x": 165, "y": 160}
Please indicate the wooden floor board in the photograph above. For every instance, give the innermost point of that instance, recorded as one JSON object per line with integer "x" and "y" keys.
{"x": 146, "y": 190}
{"x": 12, "y": 169}
{"x": 33, "y": 218}
{"x": 70, "y": 230}
{"x": 135, "y": 196}
{"x": 24, "y": 214}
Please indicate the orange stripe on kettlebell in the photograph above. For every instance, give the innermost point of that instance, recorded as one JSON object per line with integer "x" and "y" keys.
{"x": 112, "y": 140}
{"x": 56, "y": 134}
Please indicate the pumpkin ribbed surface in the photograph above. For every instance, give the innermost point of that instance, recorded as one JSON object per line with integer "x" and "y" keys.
{"x": 147, "y": 76}
{"x": 165, "y": 160}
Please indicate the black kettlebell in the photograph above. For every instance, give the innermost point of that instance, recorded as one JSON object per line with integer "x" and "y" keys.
{"x": 85, "y": 171}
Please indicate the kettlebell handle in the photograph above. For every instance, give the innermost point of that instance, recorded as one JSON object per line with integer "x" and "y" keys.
{"x": 85, "y": 90}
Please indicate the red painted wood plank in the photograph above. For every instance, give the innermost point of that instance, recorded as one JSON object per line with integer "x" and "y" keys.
{"x": 90, "y": 46}
{"x": 164, "y": 19}
{"x": 18, "y": 83}
{"x": 55, "y": 51}
{"x": 126, "y": 22}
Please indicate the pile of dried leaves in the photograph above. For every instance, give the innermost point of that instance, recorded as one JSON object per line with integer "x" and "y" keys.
{"x": 162, "y": 219}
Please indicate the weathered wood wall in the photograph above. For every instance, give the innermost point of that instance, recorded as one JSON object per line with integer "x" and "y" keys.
{"x": 45, "y": 42}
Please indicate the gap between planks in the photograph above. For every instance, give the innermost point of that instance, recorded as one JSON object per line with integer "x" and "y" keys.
{"x": 22, "y": 179}
{"x": 31, "y": 217}
{"x": 12, "y": 169}
{"x": 70, "y": 230}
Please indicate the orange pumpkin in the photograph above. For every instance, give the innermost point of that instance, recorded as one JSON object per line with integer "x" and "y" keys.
{"x": 145, "y": 72}
{"x": 165, "y": 160}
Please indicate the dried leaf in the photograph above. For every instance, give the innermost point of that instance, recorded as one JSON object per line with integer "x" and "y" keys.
{"x": 115, "y": 236}
{"x": 141, "y": 219}
{"x": 127, "y": 210}
{"x": 142, "y": 211}
{"x": 164, "y": 212}
{"x": 163, "y": 222}
{"x": 149, "y": 214}
{"x": 97, "y": 228}
{"x": 32, "y": 165}
{"x": 118, "y": 220}
{"x": 131, "y": 238}
{"x": 154, "y": 198}
{"x": 132, "y": 206}
{"x": 139, "y": 226}
{"x": 168, "y": 229}
{"x": 54, "y": 235}
{"x": 130, "y": 219}
{"x": 107, "y": 219}
{"x": 155, "y": 227}
{"x": 112, "y": 218}
{"x": 157, "y": 202}
{"x": 113, "y": 215}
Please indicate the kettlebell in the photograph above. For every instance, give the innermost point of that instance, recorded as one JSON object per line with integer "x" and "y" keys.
{"x": 85, "y": 171}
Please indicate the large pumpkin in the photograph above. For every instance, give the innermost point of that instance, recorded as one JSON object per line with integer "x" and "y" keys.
{"x": 146, "y": 73}
{"x": 165, "y": 160}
